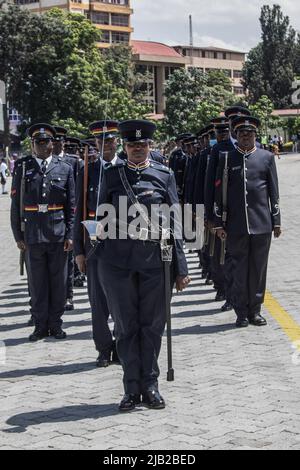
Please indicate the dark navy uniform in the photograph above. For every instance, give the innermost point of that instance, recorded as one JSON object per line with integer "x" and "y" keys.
{"x": 253, "y": 212}
{"x": 132, "y": 269}
{"x": 48, "y": 215}
{"x": 100, "y": 312}
{"x": 72, "y": 145}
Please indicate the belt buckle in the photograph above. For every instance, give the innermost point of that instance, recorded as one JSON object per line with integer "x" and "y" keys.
{"x": 143, "y": 235}
{"x": 43, "y": 208}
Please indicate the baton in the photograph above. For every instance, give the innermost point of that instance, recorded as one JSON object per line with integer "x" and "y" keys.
{"x": 167, "y": 269}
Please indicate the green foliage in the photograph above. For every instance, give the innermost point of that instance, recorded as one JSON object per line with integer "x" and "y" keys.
{"x": 54, "y": 71}
{"x": 271, "y": 66}
{"x": 263, "y": 110}
{"x": 193, "y": 98}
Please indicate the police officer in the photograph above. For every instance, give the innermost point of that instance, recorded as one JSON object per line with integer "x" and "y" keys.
{"x": 62, "y": 143}
{"x": 105, "y": 133}
{"x": 199, "y": 196}
{"x": 178, "y": 164}
{"x": 132, "y": 269}
{"x": 48, "y": 215}
{"x": 253, "y": 214}
{"x": 226, "y": 143}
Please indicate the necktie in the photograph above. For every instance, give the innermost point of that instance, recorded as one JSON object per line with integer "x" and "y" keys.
{"x": 44, "y": 166}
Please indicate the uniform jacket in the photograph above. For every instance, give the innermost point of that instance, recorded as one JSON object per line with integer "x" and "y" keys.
{"x": 200, "y": 174}
{"x": 210, "y": 178}
{"x": 153, "y": 185}
{"x": 48, "y": 202}
{"x": 253, "y": 193}
{"x": 92, "y": 197}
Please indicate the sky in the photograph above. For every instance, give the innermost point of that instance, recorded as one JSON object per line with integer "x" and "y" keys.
{"x": 221, "y": 23}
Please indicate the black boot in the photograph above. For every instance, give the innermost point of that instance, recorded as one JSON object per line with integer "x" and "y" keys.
{"x": 153, "y": 399}
{"x": 257, "y": 320}
{"x": 38, "y": 334}
{"x": 129, "y": 402}
{"x": 104, "y": 358}
{"x": 227, "y": 307}
{"x": 69, "y": 305}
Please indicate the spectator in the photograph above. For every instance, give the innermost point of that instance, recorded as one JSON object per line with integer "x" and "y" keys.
{"x": 3, "y": 175}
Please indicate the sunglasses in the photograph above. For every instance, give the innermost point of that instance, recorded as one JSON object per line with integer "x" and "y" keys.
{"x": 133, "y": 145}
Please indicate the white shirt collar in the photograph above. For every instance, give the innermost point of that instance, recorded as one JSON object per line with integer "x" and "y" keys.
{"x": 40, "y": 161}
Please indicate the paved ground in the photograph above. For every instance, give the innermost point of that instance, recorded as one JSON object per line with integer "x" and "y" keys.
{"x": 234, "y": 389}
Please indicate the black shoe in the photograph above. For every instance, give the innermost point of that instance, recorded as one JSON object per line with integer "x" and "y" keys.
{"x": 37, "y": 335}
{"x": 129, "y": 402}
{"x": 227, "y": 307}
{"x": 69, "y": 305}
{"x": 115, "y": 357}
{"x": 242, "y": 323}
{"x": 104, "y": 358}
{"x": 209, "y": 282}
{"x": 58, "y": 334}
{"x": 30, "y": 321}
{"x": 257, "y": 320}
{"x": 153, "y": 399}
{"x": 220, "y": 297}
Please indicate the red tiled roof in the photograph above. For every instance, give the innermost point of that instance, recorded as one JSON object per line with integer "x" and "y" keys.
{"x": 154, "y": 48}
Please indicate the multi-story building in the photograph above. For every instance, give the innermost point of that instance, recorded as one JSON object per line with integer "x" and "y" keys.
{"x": 112, "y": 17}
{"x": 157, "y": 61}
{"x": 213, "y": 58}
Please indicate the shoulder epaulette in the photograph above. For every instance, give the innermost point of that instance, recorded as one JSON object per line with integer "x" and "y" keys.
{"x": 160, "y": 166}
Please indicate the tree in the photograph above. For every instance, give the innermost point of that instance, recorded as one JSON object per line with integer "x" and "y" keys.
{"x": 263, "y": 110}
{"x": 270, "y": 68}
{"x": 54, "y": 71}
{"x": 193, "y": 98}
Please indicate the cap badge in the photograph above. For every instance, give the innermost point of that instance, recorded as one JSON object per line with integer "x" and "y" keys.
{"x": 42, "y": 130}
{"x": 247, "y": 123}
{"x": 138, "y": 134}
{"x": 105, "y": 129}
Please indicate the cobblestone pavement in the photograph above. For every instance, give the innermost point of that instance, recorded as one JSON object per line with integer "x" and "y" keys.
{"x": 233, "y": 390}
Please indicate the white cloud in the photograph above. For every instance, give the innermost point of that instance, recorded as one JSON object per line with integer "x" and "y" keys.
{"x": 233, "y": 23}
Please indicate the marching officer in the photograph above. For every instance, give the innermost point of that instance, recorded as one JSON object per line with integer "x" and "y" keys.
{"x": 226, "y": 143}
{"x": 131, "y": 267}
{"x": 105, "y": 133}
{"x": 205, "y": 136}
{"x": 45, "y": 185}
{"x": 60, "y": 145}
{"x": 247, "y": 179}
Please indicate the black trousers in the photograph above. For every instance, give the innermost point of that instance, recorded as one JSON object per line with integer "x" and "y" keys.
{"x": 70, "y": 281}
{"x": 136, "y": 299}
{"x": 217, "y": 271}
{"x": 100, "y": 312}
{"x": 48, "y": 283}
{"x": 250, "y": 254}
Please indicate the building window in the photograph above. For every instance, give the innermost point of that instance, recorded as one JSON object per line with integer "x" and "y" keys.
{"x": 119, "y": 20}
{"x": 237, "y": 74}
{"x": 105, "y": 37}
{"x": 25, "y": 2}
{"x": 114, "y": 2}
{"x": 100, "y": 18}
{"x": 238, "y": 90}
{"x": 118, "y": 38}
